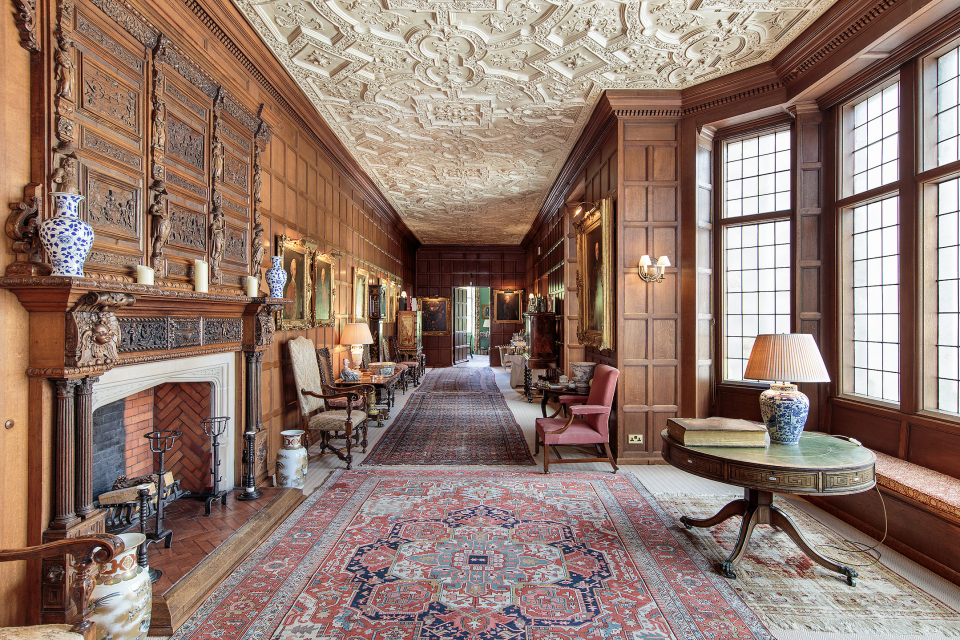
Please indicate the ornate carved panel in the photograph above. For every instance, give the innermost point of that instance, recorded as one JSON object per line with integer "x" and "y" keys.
{"x": 112, "y": 205}
{"x": 129, "y": 20}
{"x": 235, "y": 248}
{"x": 188, "y": 228}
{"x": 194, "y": 188}
{"x": 142, "y": 334}
{"x": 104, "y": 95}
{"x": 95, "y": 141}
{"x": 185, "y": 142}
{"x": 183, "y": 332}
{"x": 217, "y": 330}
{"x": 235, "y": 172}
{"x": 237, "y": 139}
{"x": 174, "y": 91}
{"x": 88, "y": 28}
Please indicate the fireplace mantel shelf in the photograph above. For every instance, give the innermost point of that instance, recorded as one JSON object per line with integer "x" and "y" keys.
{"x": 85, "y": 326}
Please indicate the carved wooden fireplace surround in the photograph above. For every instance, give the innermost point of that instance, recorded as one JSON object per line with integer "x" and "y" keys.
{"x": 79, "y": 329}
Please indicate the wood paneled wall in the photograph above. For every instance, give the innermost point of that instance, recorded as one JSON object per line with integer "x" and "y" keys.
{"x": 440, "y": 268}
{"x": 15, "y": 160}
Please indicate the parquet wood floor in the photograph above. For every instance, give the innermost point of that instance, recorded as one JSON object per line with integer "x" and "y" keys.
{"x": 195, "y": 535}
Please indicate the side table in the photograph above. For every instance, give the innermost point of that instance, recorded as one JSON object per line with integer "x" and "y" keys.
{"x": 818, "y": 465}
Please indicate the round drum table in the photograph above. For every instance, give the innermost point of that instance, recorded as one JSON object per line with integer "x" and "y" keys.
{"x": 818, "y": 465}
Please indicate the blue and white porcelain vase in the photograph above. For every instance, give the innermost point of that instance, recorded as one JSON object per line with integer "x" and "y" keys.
{"x": 292, "y": 460}
{"x": 66, "y": 237}
{"x": 121, "y": 603}
{"x": 276, "y": 277}
{"x": 784, "y": 410}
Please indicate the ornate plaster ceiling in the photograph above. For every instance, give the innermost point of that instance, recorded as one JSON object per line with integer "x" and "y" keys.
{"x": 464, "y": 111}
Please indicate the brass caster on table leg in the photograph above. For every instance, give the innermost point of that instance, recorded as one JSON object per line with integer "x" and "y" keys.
{"x": 850, "y": 573}
{"x": 727, "y": 570}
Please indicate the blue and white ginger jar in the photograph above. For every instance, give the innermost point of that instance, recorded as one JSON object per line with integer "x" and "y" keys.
{"x": 66, "y": 237}
{"x": 276, "y": 277}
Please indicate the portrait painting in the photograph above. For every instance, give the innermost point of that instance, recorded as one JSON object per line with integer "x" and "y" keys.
{"x": 435, "y": 316}
{"x": 594, "y": 277}
{"x": 407, "y": 331}
{"x": 485, "y": 312}
{"x": 324, "y": 291}
{"x": 296, "y": 258}
{"x": 360, "y": 277}
{"x": 507, "y": 305}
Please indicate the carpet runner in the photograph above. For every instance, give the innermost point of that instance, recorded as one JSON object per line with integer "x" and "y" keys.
{"x": 453, "y": 418}
{"x": 460, "y": 380}
{"x": 790, "y": 592}
{"x": 462, "y": 555}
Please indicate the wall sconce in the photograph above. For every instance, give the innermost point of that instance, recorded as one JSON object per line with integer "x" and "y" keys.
{"x": 585, "y": 208}
{"x": 650, "y": 272}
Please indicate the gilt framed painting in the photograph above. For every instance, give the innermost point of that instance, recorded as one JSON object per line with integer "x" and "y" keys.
{"x": 360, "y": 277}
{"x": 297, "y": 260}
{"x": 507, "y": 305}
{"x": 595, "y": 316}
{"x": 435, "y": 316}
{"x": 324, "y": 290}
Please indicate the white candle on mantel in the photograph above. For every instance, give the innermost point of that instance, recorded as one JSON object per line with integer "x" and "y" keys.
{"x": 252, "y": 287}
{"x": 200, "y": 276}
{"x": 144, "y": 275}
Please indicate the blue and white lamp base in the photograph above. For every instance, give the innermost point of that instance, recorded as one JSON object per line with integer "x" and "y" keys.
{"x": 784, "y": 409}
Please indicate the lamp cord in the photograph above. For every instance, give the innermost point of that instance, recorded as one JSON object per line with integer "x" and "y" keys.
{"x": 861, "y": 547}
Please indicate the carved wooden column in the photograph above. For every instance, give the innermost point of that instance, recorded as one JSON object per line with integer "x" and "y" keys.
{"x": 64, "y": 514}
{"x": 84, "y": 441}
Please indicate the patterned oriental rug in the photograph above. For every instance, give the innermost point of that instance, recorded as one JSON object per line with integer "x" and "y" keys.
{"x": 460, "y": 380}
{"x": 790, "y": 592}
{"x": 469, "y": 555}
{"x": 457, "y": 416}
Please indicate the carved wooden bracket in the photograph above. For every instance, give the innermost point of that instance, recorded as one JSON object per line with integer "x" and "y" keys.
{"x": 23, "y": 226}
{"x": 25, "y": 13}
{"x": 92, "y": 334}
{"x": 264, "y": 325}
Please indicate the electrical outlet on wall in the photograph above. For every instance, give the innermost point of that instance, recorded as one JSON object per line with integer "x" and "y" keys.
{"x": 635, "y": 439}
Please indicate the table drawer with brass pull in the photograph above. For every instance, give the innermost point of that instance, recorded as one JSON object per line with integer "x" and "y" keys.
{"x": 842, "y": 481}
{"x": 696, "y": 464}
{"x": 793, "y": 481}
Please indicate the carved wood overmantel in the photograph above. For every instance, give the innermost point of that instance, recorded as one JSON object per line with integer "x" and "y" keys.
{"x": 82, "y": 327}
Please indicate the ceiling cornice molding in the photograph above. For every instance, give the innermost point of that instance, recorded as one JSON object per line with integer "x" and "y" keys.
{"x": 228, "y": 26}
{"x": 759, "y": 125}
{"x": 934, "y": 37}
{"x": 590, "y": 138}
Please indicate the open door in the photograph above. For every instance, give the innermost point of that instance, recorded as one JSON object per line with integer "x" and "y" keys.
{"x": 462, "y": 332}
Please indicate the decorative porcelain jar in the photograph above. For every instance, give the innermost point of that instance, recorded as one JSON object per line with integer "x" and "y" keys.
{"x": 582, "y": 375}
{"x": 784, "y": 410}
{"x": 292, "y": 460}
{"x": 65, "y": 236}
{"x": 122, "y": 597}
{"x": 276, "y": 277}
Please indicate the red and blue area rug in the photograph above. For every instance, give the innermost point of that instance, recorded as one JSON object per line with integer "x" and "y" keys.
{"x": 461, "y": 555}
{"x": 453, "y": 419}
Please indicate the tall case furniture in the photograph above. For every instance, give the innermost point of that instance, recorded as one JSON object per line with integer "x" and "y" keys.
{"x": 542, "y": 348}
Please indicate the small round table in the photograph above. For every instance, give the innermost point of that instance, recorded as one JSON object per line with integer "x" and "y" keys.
{"x": 553, "y": 393}
{"x": 818, "y": 465}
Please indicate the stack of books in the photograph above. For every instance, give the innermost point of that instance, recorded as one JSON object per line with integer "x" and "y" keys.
{"x": 717, "y": 432}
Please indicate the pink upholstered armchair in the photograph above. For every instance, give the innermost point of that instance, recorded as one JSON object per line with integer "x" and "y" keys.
{"x": 588, "y": 423}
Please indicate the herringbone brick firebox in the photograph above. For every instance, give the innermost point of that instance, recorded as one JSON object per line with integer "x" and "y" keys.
{"x": 182, "y": 406}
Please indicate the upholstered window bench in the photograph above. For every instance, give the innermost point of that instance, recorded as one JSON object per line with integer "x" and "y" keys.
{"x": 923, "y": 507}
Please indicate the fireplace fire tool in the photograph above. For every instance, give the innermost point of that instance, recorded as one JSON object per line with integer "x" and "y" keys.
{"x": 214, "y": 428}
{"x": 143, "y": 496}
{"x": 161, "y": 442}
{"x": 250, "y": 491}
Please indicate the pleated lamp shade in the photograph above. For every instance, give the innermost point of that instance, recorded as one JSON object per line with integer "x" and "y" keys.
{"x": 786, "y": 357}
{"x": 356, "y": 333}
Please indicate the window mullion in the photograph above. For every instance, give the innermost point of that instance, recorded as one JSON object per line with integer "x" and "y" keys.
{"x": 911, "y": 326}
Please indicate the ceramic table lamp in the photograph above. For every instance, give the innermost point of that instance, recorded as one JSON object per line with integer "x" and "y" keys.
{"x": 785, "y": 358}
{"x": 356, "y": 334}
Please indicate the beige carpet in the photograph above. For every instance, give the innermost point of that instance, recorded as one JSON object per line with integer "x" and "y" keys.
{"x": 790, "y": 592}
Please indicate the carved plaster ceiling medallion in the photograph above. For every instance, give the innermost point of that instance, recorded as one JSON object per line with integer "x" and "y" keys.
{"x": 464, "y": 111}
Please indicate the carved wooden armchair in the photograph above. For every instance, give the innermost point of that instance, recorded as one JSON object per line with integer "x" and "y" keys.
{"x": 88, "y": 552}
{"x": 324, "y": 425}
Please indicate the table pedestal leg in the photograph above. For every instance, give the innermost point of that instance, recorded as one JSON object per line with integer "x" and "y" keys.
{"x": 756, "y": 507}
